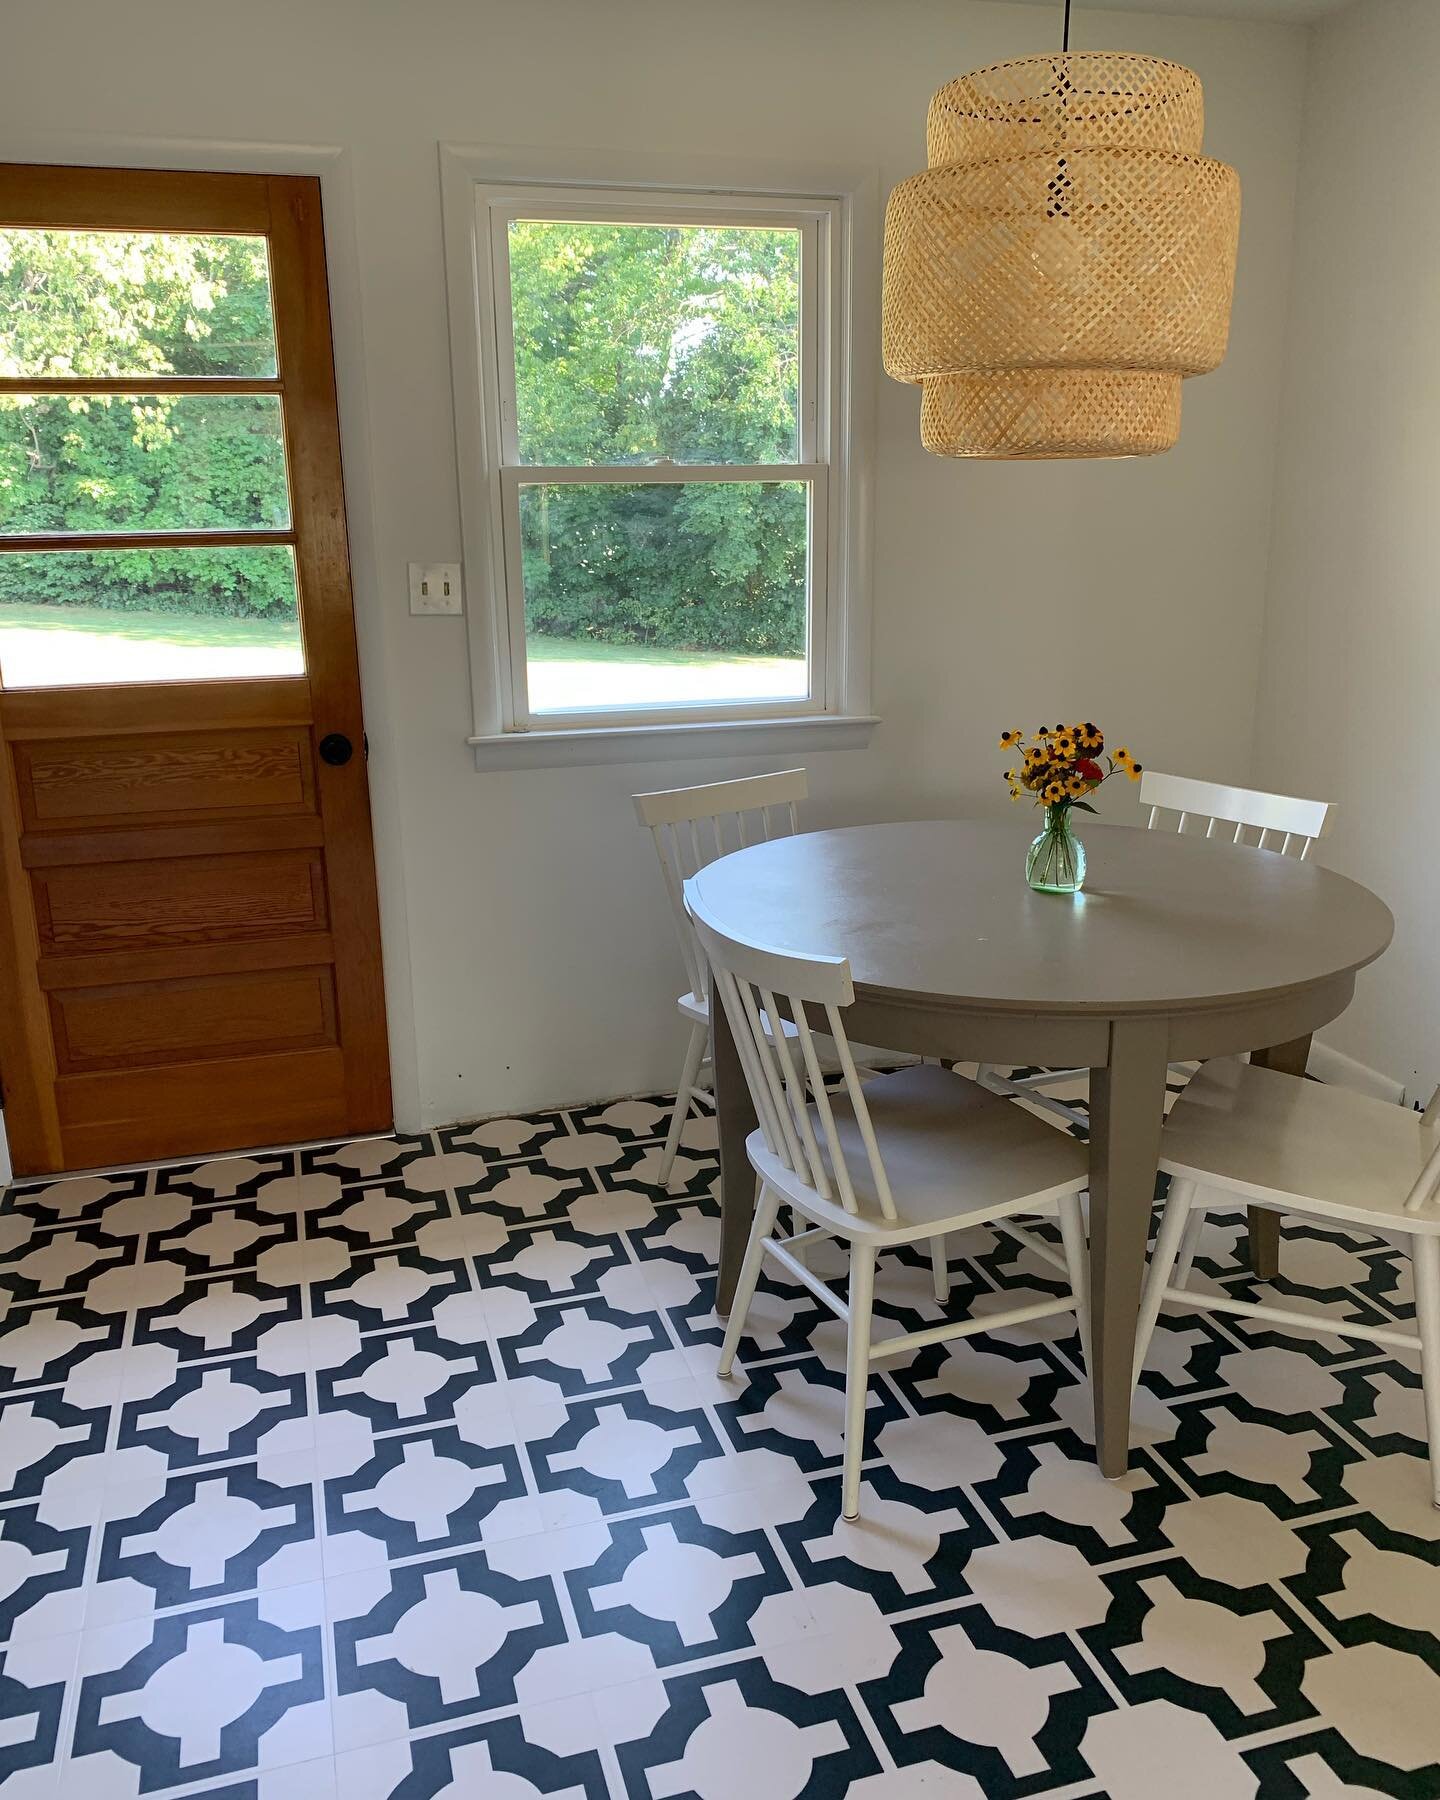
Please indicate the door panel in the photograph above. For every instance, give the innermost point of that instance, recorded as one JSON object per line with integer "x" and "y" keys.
{"x": 187, "y": 1021}
{"x": 164, "y": 778}
{"x": 189, "y": 960}
{"x": 166, "y": 901}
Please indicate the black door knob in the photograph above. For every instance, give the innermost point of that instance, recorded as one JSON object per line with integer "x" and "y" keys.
{"x": 336, "y": 749}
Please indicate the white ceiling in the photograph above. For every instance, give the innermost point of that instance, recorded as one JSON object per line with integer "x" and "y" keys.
{"x": 1283, "y": 12}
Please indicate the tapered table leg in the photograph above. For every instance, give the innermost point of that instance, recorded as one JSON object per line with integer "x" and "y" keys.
{"x": 735, "y": 1120}
{"x": 1263, "y": 1238}
{"x": 1127, "y": 1107}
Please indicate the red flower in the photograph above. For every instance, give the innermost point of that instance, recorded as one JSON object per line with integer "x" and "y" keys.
{"x": 1088, "y": 770}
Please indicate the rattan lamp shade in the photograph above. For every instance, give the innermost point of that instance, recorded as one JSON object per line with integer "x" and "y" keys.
{"x": 1065, "y": 261}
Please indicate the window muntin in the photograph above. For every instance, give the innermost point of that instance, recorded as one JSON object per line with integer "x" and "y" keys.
{"x": 713, "y": 379}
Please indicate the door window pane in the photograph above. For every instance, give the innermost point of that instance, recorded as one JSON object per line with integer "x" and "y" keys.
{"x": 134, "y": 303}
{"x": 138, "y": 462}
{"x": 81, "y": 618}
{"x": 635, "y": 343}
{"x": 676, "y": 594}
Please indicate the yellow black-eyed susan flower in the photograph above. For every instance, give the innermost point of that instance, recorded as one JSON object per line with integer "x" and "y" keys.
{"x": 1052, "y": 792}
{"x": 1075, "y": 786}
{"x": 1122, "y": 756}
{"x": 1015, "y": 793}
{"x": 1009, "y": 738}
{"x": 1134, "y": 770}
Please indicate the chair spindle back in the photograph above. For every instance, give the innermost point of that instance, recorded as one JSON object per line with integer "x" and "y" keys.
{"x": 760, "y": 990}
{"x": 1231, "y": 811}
{"x": 693, "y": 826}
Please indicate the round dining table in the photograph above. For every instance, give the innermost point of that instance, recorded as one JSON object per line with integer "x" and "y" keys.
{"x": 1179, "y": 948}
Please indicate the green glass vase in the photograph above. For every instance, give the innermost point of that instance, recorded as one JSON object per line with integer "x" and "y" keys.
{"x": 1055, "y": 863}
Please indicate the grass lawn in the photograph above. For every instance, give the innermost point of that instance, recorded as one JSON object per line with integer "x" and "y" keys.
{"x": 574, "y": 674}
{"x": 81, "y": 646}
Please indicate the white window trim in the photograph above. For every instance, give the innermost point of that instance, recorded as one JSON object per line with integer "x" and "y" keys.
{"x": 844, "y": 204}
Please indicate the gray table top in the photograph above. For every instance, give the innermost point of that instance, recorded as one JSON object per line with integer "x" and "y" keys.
{"x": 940, "y": 910}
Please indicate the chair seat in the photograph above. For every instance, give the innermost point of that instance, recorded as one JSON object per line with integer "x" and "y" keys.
{"x": 1282, "y": 1142}
{"x": 953, "y": 1152}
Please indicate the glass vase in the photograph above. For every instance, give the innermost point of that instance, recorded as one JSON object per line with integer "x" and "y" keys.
{"x": 1055, "y": 863}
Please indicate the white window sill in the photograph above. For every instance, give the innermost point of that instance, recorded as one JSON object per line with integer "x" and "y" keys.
{"x": 585, "y": 746}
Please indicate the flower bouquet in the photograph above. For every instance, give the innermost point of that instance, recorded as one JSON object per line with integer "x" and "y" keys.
{"x": 1060, "y": 768}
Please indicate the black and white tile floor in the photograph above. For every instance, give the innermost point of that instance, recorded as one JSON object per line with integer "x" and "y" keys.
{"x": 401, "y": 1469}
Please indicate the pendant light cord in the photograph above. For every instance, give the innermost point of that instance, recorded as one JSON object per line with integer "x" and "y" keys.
{"x": 1065, "y": 44}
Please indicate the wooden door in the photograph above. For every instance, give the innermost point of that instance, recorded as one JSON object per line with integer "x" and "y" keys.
{"x": 189, "y": 953}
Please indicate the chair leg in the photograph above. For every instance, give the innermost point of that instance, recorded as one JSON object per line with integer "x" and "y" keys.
{"x": 857, "y": 1374}
{"x": 691, "y": 1068}
{"x": 1077, "y": 1265}
{"x": 1189, "y": 1245}
{"x": 940, "y": 1269}
{"x": 1427, "y": 1319}
{"x": 767, "y": 1206}
{"x": 1167, "y": 1246}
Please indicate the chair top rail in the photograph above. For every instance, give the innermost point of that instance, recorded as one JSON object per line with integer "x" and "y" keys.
{"x": 1242, "y": 806}
{"x": 675, "y": 806}
{"x": 817, "y": 980}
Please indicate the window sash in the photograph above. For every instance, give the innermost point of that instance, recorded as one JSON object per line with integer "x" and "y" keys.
{"x": 818, "y": 223}
{"x": 814, "y": 476}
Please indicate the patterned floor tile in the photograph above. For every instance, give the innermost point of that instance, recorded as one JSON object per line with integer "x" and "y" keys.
{"x": 737, "y": 1731}
{"x": 206, "y": 1535}
{"x": 472, "y": 1761}
{"x": 1007, "y": 1709}
{"x": 63, "y": 1261}
{"x": 33, "y": 1678}
{"x": 400, "y": 1468}
{"x": 42, "y": 1436}
{"x": 42, "y": 1576}
{"x": 420, "y": 1491}
{"x": 1237, "y": 1657}
{"x": 210, "y": 1692}
{"x": 623, "y": 1451}
{"x": 225, "y": 1177}
{"x": 907, "y": 1547}
{"x": 585, "y": 1347}
{"x": 361, "y": 1160}
{"x": 405, "y": 1378}
{"x": 216, "y": 1412}
{"x": 678, "y": 1585}
{"x": 440, "y": 1638}
{"x": 218, "y": 1317}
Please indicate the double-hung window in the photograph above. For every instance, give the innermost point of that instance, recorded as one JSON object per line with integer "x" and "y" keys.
{"x": 656, "y": 478}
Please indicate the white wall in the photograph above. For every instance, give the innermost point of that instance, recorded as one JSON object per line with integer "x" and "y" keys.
{"x": 1348, "y": 700}
{"x": 528, "y": 953}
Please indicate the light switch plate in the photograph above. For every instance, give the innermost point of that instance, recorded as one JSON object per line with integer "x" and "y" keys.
{"x": 435, "y": 588}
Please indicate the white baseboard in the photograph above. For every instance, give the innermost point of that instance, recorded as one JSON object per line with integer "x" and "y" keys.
{"x": 1329, "y": 1064}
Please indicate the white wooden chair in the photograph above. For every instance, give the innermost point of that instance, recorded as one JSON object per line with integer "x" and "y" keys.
{"x": 692, "y": 827}
{"x": 1242, "y": 1132}
{"x": 1277, "y": 822}
{"x": 910, "y": 1155}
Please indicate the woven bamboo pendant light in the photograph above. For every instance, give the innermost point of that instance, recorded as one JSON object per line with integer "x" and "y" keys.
{"x": 1065, "y": 261}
